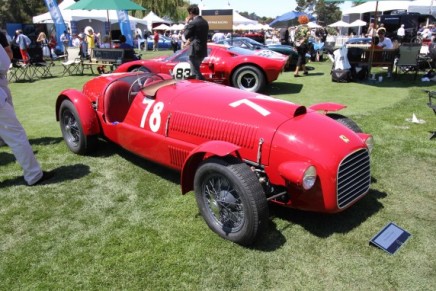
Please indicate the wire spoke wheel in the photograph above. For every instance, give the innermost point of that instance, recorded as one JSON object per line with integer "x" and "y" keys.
{"x": 231, "y": 199}
{"x": 223, "y": 202}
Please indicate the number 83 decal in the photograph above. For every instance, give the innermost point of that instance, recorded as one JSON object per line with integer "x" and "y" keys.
{"x": 152, "y": 112}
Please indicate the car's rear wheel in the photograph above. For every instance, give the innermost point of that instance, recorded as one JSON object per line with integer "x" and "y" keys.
{"x": 231, "y": 200}
{"x": 348, "y": 122}
{"x": 72, "y": 130}
{"x": 248, "y": 78}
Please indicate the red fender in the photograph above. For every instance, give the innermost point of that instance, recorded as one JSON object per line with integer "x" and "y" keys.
{"x": 327, "y": 107}
{"x": 197, "y": 155}
{"x": 87, "y": 114}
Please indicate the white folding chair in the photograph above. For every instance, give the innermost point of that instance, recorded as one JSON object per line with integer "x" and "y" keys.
{"x": 73, "y": 65}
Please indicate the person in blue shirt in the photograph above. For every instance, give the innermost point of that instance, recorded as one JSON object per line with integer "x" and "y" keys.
{"x": 129, "y": 53}
{"x": 123, "y": 43}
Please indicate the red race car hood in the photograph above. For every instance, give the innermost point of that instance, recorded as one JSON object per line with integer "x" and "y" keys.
{"x": 202, "y": 111}
{"x": 208, "y": 109}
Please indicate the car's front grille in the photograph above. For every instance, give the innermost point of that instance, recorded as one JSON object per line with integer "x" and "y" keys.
{"x": 354, "y": 177}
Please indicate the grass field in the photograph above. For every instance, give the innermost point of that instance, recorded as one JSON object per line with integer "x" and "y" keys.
{"x": 114, "y": 221}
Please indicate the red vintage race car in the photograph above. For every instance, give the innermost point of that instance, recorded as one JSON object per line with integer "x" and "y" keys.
{"x": 236, "y": 150}
{"x": 238, "y": 67}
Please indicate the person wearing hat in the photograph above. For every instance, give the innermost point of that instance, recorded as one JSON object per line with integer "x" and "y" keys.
{"x": 301, "y": 44}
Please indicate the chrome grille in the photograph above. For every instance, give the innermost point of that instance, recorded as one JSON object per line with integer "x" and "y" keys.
{"x": 354, "y": 177}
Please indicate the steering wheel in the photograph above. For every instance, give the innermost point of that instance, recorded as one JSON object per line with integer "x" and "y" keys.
{"x": 140, "y": 83}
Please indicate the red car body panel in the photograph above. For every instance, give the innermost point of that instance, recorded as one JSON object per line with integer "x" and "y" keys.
{"x": 181, "y": 123}
{"x": 218, "y": 66}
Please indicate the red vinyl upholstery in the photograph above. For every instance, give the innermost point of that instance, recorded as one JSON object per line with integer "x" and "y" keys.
{"x": 116, "y": 101}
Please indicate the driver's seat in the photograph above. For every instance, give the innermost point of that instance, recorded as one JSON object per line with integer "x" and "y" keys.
{"x": 116, "y": 101}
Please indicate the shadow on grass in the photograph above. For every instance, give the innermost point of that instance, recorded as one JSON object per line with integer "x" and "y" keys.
{"x": 6, "y": 158}
{"x": 324, "y": 225}
{"x": 71, "y": 172}
{"x": 46, "y": 140}
{"x": 106, "y": 149}
{"x": 279, "y": 88}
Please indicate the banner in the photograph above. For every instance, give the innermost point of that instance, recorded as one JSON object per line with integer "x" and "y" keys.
{"x": 58, "y": 21}
{"x": 123, "y": 20}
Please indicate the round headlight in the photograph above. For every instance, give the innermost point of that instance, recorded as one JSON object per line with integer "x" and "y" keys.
{"x": 309, "y": 178}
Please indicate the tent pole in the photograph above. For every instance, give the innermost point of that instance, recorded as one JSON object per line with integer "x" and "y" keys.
{"x": 371, "y": 51}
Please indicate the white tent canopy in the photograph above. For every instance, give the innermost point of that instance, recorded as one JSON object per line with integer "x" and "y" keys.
{"x": 423, "y": 7}
{"x": 239, "y": 19}
{"x": 162, "y": 27}
{"x": 339, "y": 23}
{"x": 93, "y": 18}
{"x": 357, "y": 22}
{"x": 151, "y": 18}
{"x": 313, "y": 25}
{"x": 382, "y": 6}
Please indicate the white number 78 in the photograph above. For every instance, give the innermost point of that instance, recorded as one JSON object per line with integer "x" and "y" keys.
{"x": 155, "y": 118}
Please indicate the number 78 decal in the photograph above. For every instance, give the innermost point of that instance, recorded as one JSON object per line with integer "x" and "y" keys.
{"x": 252, "y": 105}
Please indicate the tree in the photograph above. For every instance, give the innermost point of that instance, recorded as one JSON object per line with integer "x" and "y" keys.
{"x": 20, "y": 11}
{"x": 326, "y": 12}
{"x": 174, "y": 9}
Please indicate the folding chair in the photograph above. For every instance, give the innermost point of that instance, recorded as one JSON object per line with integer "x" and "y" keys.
{"x": 408, "y": 60}
{"x": 19, "y": 71}
{"x": 41, "y": 69}
{"x": 73, "y": 65}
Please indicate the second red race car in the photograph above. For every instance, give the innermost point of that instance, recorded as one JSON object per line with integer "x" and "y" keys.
{"x": 236, "y": 150}
{"x": 234, "y": 66}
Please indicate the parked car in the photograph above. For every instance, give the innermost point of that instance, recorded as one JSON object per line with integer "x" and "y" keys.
{"x": 234, "y": 66}
{"x": 163, "y": 44}
{"x": 236, "y": 150}
{"x": 248, "y": 43}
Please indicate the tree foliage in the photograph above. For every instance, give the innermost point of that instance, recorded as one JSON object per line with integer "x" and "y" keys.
{"x": 22, "y": 11}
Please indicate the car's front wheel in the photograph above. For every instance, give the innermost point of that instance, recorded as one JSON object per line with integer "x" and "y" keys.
{"x": 348, "y": 122}
{"x": 248, "y": 78}
{"x": 231, "y": 200}
{"x": 72, "y": 130}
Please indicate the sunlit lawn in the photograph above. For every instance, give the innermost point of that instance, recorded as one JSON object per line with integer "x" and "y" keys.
{"x": 114, "y": 221}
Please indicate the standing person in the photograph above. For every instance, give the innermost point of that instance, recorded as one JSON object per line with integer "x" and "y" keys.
{"x": 284, "y": 35}
{"x": 90, "y": 40}
{"x": 196, "y": 32}
{"x": 65, "y": 39}
{"x": 302, "y": 34}
{"x": 146, "y": 36}
{"x": 401, "y": 32}
{"x": 371, "y": 30}
{"x": 43, "y": 41}
{"x": 11, "y": 131}
{"x": 23, "y": 42}
{"x": 175, "y": 41}
{"x": 155, "y": 41}
{"x": 83, "y": 46}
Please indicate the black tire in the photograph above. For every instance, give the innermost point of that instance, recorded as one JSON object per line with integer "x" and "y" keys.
{"x": 348, "y": 122}
{"x": 231, "y": 200}
{"x": 248, "y": 78}
{"x": 72, "y": 130}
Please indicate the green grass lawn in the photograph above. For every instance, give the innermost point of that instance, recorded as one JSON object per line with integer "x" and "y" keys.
{"x": 114, "y": 221}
